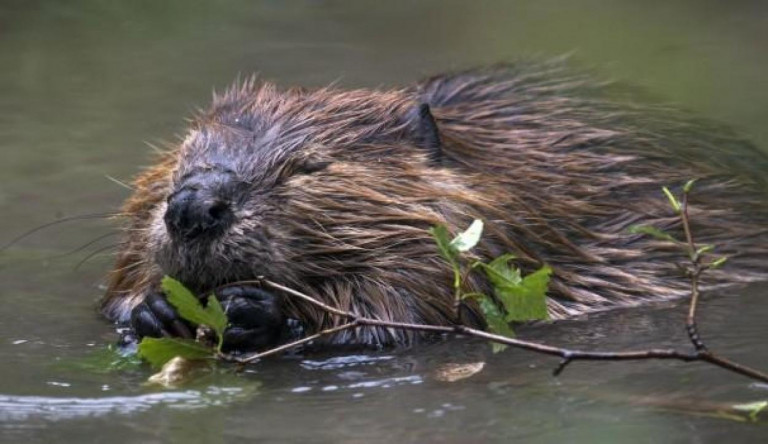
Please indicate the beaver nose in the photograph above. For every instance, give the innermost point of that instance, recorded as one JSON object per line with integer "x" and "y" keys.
{"x": 191, "y": 213}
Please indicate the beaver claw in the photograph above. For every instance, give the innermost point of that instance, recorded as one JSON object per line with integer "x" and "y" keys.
{"x": 255, "y": 319}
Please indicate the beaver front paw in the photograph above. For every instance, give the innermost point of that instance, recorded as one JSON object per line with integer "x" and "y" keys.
{"x": 156, "y": 318}
{"x": 256, "y": 321}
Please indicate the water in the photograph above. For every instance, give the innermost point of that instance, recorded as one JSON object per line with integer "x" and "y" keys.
{"x": 85, "y": 84}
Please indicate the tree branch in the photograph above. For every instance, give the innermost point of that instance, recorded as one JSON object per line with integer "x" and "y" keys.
{"x": 567, "y": 355}
{"x": 256, "y": 356}
{"x": 700, "y": 352}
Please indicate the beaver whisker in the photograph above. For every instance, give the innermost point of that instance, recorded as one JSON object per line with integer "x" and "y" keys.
{"x": 85, "y": 245}
{"x": 128, "y": 267}
{"x": 119, "y": 182}
{"x": 38, "y": 228}
{"x": 96, "y": 253}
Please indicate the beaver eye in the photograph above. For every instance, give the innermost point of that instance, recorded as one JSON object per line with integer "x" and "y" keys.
{"x": 310, "y": 167}
{"x": 303, "y": 167}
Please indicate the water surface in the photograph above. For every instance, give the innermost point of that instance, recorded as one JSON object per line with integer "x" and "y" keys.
{"x": 84, "y": 85}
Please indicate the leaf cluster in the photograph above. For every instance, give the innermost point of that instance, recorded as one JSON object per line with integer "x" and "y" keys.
{"x": 516, "y": 298}
{"x": 158, "y": 351}
{"x": 680, "y": 205}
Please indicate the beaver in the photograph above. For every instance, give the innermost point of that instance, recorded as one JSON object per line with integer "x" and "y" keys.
{"x": 332, "y": 192}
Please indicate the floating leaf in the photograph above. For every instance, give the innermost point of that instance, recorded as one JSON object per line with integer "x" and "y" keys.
{"x": 652, "y": 231}
{"x": 452, "y": 372}
{"x": 672, "y": 199}
{"x": 103, "y": 360}
{"x": 467, "y": 239}
{"x": 176, "y": 372}
{"x": 158, "y": 351}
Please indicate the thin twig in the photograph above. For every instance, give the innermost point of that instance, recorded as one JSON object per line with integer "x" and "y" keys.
{"x": 457, "y": 296}
{"x": 694, "y": 273}
{"x": 687, "y": 226}
{"x": 290, "y": 345}
{"x": 567, "y": 355}
{"x": 307, "y": 298}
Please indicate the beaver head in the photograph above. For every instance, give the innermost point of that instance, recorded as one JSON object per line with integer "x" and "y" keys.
{"x": 297, "y": 185}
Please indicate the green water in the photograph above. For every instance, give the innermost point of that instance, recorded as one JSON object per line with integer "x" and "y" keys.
{"x": 84, "y": 85}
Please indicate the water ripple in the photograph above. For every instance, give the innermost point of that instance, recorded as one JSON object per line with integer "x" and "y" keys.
{"x": 19, "y": 408}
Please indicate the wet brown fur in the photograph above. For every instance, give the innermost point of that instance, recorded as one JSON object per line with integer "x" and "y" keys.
{"x": 341, "y": 195}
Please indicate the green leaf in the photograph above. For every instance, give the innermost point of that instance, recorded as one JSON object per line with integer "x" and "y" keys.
{"x": 183, "y": 300}
{"x": 752, "y": 408}
{"x": 672, "y": 199}
{"x": 718, "y": 262}
{"x": 705, "y": 249}
{"x": 442, "y": 239}
{"x": 215, "y": 312}
{"x": 526, "y": 301}
{"x": 495, "y": 320}
{"x": 158, "y": 351}
{"x": 652, "y": 231}
{"x": 218, "y": 319}
{"x": 102, "y": 360}
{"x": 499, "y": 273}
{"x": 467, "y": 240}
{"x": 688, "y": 186}
{"x": 497, "y": 347}
{"x": 189, "y": 306}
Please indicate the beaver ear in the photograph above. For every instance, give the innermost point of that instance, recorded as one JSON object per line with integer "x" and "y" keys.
{"x": 426, "y": 133}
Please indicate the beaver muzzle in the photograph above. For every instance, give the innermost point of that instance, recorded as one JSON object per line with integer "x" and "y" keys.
{"x": 202, "y": 207}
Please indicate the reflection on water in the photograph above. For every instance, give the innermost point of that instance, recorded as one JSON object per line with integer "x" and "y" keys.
{"x": 84, "y": 86}
{"x": 19, "y": 408}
